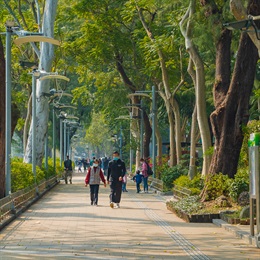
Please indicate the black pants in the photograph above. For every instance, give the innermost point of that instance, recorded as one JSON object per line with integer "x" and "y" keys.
{"x": 94, "y": 188}
{"x": 115, "y": 191}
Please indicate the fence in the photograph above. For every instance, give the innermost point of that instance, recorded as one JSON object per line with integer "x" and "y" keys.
{"x": 12, "y": 205}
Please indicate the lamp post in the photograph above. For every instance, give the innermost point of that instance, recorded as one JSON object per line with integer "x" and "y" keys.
{"x": 8, "y": 110}
{"x": 140, "y": 107}
{"x": 153, "y": 115}
{"x": 42, "y": 75}
{"x": 24, "y": 38}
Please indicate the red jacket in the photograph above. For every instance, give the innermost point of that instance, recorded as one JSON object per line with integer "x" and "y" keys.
{"x": 101, "y": 175}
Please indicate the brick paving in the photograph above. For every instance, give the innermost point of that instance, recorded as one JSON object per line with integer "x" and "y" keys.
{"x": 63, "y": 225}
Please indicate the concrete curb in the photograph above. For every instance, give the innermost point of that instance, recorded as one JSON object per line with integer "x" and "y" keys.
{"x": 236, "y": 231}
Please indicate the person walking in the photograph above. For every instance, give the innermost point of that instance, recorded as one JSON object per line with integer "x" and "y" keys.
{"x": 93, "y": 177}
{"x": 116, "y": 172}
{"x": 105, "y": 165}
{"x": 138, "y": 180}
{"x": 68, "y": 170}
{"x": 124, "y": 182}
{"x": 145, "y": 174}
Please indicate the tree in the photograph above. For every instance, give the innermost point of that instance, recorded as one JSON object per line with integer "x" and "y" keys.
{"x": 45, "y": 63}
{"x": 199, "y": 85}
{"x": 231, "y": 98}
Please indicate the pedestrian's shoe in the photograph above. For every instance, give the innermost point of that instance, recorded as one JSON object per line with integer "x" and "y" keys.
{"x": 126, "y": 190}
{"x": 91, "y": 203}
{"x": 118, "y": 205}
{"x": 70, "y": 181}
{"x": 111, "y": 204}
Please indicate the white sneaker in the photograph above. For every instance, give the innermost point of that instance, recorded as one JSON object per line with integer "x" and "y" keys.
{"x": 115, "y": 207}
{"x": 111, "y": 204}
{"x": 118, "y": 205}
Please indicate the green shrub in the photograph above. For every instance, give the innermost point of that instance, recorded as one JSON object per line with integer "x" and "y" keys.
{"x": 22, "y": 175}
{"x": 239, "y": 184}
{"x": 195, "y": 185}
{"x": 217, "y": 185}
{"x": 170, "y": 174}
{"x": 50, "y": 171}
{"x": 188, "y": 205}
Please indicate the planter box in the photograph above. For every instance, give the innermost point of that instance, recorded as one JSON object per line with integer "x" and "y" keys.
{"x": 194, "y": 218}
{"x": 231, "y": 220}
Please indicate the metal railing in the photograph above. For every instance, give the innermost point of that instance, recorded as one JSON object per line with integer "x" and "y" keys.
{"x": 13, "y": 204}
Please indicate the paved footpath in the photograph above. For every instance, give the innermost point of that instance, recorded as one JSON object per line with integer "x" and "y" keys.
{"x": 63, "y": 225}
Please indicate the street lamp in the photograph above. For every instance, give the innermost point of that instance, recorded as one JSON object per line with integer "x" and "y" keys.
{"x": 34, "y": 37}
{"x": 63, "y": 115}
{"x": 42, "y": 75}
{"x": 244, "y": 25}
{"x": 153, "y": 115}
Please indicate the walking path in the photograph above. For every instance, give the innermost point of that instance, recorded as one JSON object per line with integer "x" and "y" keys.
{"x": 63, "y": 225}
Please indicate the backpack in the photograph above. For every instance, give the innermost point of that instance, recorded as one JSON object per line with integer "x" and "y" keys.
{"x": 149, "y": 170}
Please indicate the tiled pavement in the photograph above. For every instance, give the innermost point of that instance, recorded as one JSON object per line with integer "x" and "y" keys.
{"x": 63, "y": 225}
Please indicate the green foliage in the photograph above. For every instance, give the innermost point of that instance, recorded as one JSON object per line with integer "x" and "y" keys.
{"x": 217, "y": 185}
{"x": 170, "y": 174}
{"x": 48, "y": 173}
{"x": 239, "y": 184}
{"x": 22, "y": 175}
{"x": 188, "y": 205}
{"x": 163, "y": 166}
{"x": 195, "y": 185}
{"x": 253, "y": 126}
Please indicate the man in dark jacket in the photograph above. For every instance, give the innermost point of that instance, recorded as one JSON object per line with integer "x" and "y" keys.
{"x": 68, "y": 170}
{"x": 116, "y": 172}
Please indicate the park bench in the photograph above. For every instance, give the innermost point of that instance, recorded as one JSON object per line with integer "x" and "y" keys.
{"x": 155, "y": 183}
{"x": 181, "y": 192}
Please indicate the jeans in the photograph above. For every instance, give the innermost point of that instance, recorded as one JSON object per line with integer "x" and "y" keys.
{"x": 94, "y": 188}
{"x": 123, "y": 186}
{"x": 145, "y": 180}
{"x": 138, "y": 187}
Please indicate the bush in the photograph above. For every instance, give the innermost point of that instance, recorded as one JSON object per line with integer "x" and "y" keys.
{"x": 22, "y": 175}
{"x": 50, "y": 171}
{"x": 170, "y": 174}
{"x": 195, "y": 185}
{"x": 188, "y": 205}
{"x": 217, "y": 185}
{"x": 239, "y": 184}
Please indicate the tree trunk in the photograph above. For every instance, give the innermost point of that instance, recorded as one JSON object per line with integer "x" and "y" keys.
{"x": 177, "y": 117}
{"x": 26, "y": 123}
{"x": 199, "y": 87}
{"x": 42, "y": 107}
{"x": 232, "y": 113}
{"x": 2, "y": 121}
{"x": 169, "y": 100}
{"x": 192, "y": 164}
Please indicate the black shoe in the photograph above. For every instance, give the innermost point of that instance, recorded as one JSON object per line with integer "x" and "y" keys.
{"x": 91, "y": 203}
